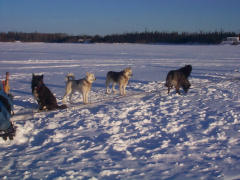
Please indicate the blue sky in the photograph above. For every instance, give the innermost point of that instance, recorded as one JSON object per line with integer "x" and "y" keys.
{"x": 91, "y": 17}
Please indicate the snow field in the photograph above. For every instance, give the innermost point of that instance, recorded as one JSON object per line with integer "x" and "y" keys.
{"x": 141, "y": 136}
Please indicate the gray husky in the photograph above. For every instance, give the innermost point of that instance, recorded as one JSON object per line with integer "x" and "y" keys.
{"x": 120, "y": 78}
{"x": 179, "y": 78}
{"x": 82, "y": 85}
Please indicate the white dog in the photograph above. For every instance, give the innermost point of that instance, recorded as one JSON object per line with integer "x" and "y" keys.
{"x": 82, "y": 85}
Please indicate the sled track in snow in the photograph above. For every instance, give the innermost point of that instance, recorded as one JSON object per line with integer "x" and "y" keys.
{"x": 30, "y": 114}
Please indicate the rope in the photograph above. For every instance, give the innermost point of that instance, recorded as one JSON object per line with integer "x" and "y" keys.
{"x": 116, "y": 98}
{"x": 82, "y": 105}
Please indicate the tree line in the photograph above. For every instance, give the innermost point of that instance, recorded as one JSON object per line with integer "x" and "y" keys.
{"x": 41, "y": 37}
{"x": 133, "y": 37}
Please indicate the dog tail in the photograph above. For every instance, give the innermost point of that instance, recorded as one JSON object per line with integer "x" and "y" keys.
{"x": 62, "y": 106}
{"x": 70, "y": 76}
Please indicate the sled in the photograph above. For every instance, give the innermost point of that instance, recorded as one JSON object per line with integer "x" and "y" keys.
{"x": 9, "y": 133}
{"x": 6, "y": 110}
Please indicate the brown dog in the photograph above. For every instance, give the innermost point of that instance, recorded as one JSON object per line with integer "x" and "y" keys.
{"x": 120, "y": 78}
{"x": 179, "y": 78}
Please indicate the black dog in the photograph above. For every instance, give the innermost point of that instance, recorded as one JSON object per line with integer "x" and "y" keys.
{"x": 45, "y": 98}
{"x": 179, "y": 78}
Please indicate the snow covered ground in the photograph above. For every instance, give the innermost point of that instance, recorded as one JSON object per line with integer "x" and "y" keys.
{"x": 141, "y": 136}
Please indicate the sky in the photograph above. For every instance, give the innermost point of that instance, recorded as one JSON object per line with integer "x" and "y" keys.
{"x": 102, "y": 17}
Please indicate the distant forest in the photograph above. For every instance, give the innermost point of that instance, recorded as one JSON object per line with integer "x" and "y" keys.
{"x": 134, "y": 37}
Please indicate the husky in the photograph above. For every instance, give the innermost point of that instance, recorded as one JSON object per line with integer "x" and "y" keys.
{"x": 120, "y": 78}
{"x": 179, "y": 78}
{"x": 45, "y": 98}
{"x": 82, "y": 85}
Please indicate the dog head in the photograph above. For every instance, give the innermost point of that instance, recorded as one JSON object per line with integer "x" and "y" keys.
{"x": 90, "y": 77}
{"x": 186, "y": 85}
{"x": 187, "y": 69}
{"x": 128, "y": 72}
{"x": 37, "y": 81}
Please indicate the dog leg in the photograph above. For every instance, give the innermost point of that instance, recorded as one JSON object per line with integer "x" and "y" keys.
{"x": 168, "y": 89}
{"x": 177, "y": 90}
{"x": 185, "y": 90}
{"x": 107, "y": 84}
{"x": 124, "y": 88}
{"x": 68, "y": 91}
{"x": 121, "y": 89}
{"x": 39, "y": 106}
{"x": 113, "y": 87}
{"x": 84, "y": 100}
{"x": 87, "y": 97}
{"x": 70, "y": 97}
{"x": 85, "y": 94}
{"x": 64, "y": 98}
{"x": 107, "y": 90}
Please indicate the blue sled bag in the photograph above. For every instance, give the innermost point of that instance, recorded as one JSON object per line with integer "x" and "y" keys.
{"x": 6, "y": 106}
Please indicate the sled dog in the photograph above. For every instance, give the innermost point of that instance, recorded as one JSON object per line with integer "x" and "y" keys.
{"x": 120, "y": 78}
{"x": 179, "y": 78}
{"x": 82, "y": 85}
{"x": 45, "y": 98}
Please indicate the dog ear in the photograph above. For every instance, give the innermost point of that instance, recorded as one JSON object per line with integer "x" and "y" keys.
{"x": 87, "y": 74}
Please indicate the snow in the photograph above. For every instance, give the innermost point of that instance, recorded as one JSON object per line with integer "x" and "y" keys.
{"x": 145, "y": 135}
